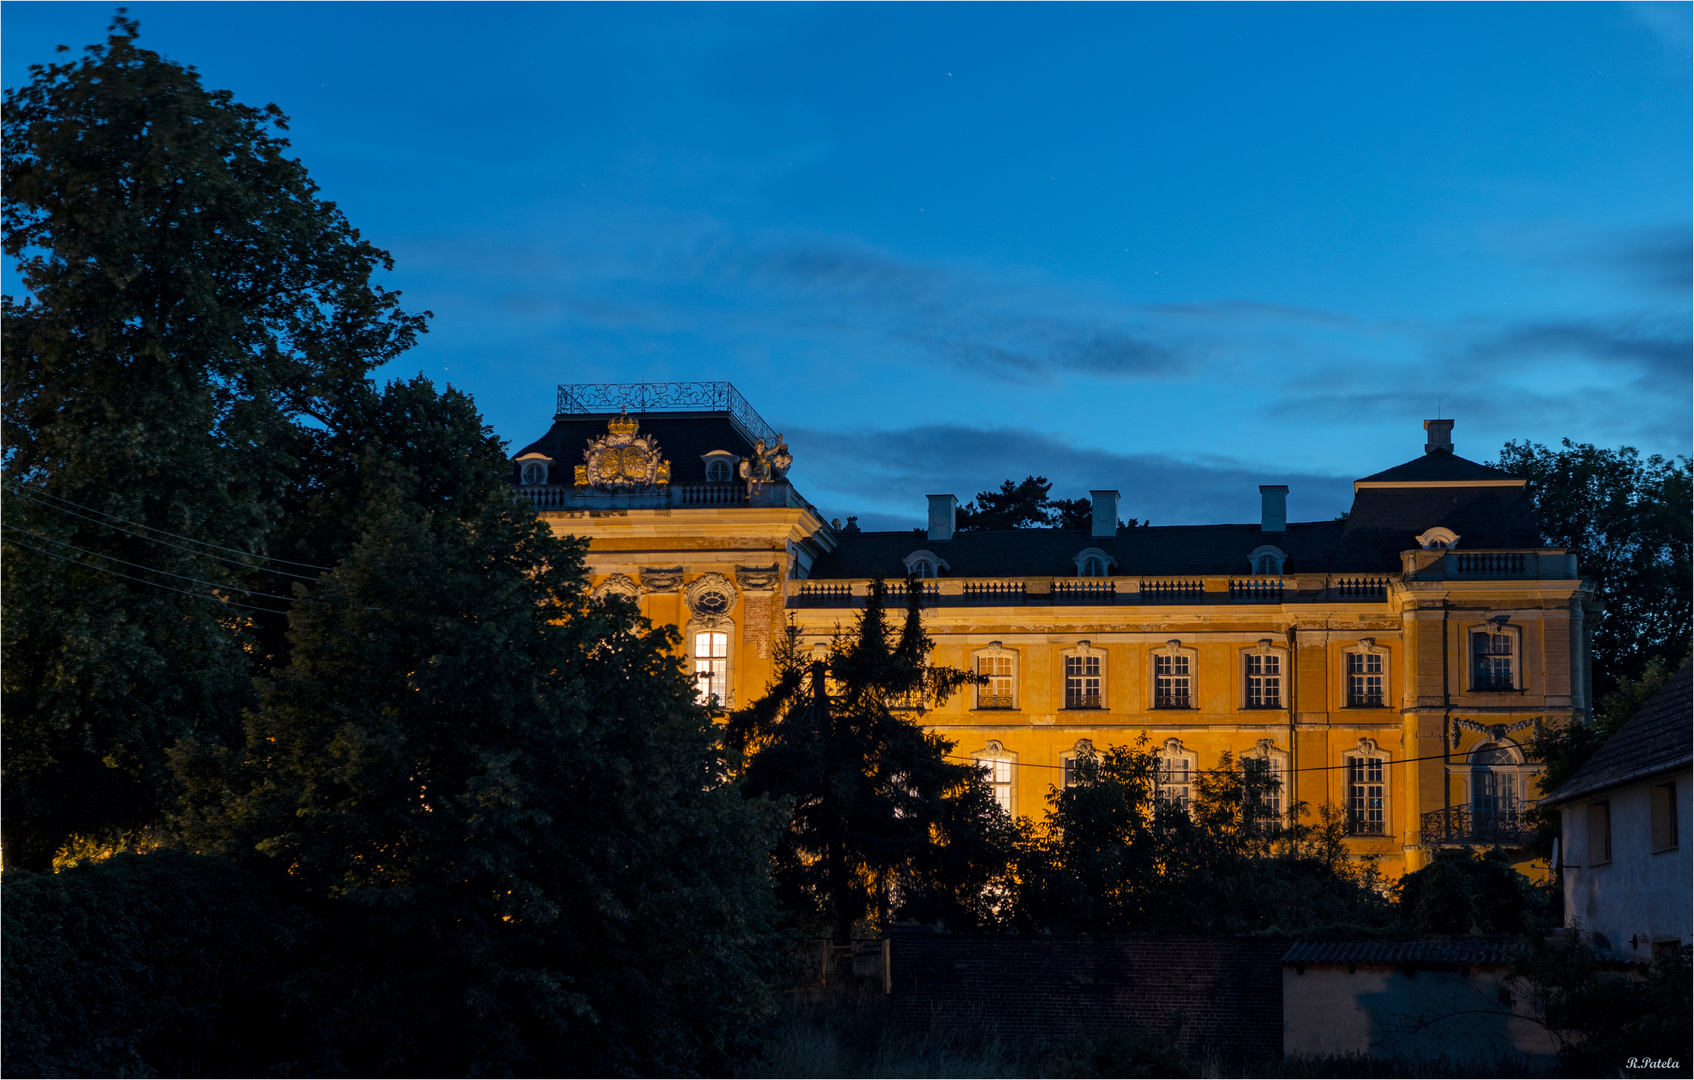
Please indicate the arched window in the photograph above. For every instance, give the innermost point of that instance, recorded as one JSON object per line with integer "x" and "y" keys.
{"x": 1266, "y": 561}
{"x": 1493, "y": 787}
{"x": 1438, "y": 539}
{"x": 925, "y": 564}
{"x": 1092, "y": 562}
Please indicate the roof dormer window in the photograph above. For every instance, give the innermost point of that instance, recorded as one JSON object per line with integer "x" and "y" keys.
{"x": 1092, "y": 562}
{"x": 533, "y": 469}
{"x": 925, "y": 564}
{"x": 720, "y": 466}
{"x": 1438, "y": 539}
{"x": 1266, "y": 561}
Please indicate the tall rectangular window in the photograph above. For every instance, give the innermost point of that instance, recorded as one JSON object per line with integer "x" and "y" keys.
{"x": 1491, "y": 661}
{"x": 1664, "y": 817}
{"x": 1599, "y": 833}
{"x": 1264, "y": 681}
{"x": 1263, "y": 785}
{"x": 711, "y": 668}
{"x": 1082, "y": 682}
{"x": 1078, "y": 771}
{"x": 996, "y": 693}
{"x": 1173, "y": 778}
{"x": 1364, "y": 679}
{"x": 1365, "y": 803}
{"x": 998, "y": 773}
{"x": 1173, "y": 682}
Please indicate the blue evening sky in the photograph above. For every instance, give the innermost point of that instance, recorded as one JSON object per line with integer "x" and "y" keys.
{"x": 1177, "y": 250}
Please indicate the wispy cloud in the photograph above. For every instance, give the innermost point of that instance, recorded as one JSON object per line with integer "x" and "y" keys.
{"x": 850, "y": 472}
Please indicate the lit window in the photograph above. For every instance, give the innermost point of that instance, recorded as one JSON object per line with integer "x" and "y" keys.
{"x": 1491, "y": 661}
{"x": 534, "y": 473}
{"x": 718, "y": 471}
{"x": 1264, "y": 681}
{"x": 998, "y": 691}
{"x": 711, "y": 667}
{"x": 998, "y": 769}
{"x": 1173, "y": 682}
{"x": 1365, "y": 790}
{"x": 1082, "y": 682}
{"x": 1364, "y": 679}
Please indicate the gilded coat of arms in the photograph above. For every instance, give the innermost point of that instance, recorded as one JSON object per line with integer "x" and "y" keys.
{"x": 621, "y": 460}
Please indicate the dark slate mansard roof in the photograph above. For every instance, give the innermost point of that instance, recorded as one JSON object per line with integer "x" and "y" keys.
{"x": 1656, "y": 740}
{"x": 1383, "y": 522}
{"x": 682, "y": 438}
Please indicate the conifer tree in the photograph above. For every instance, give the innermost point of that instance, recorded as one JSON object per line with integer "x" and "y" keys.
{"x": 885, "y": 823}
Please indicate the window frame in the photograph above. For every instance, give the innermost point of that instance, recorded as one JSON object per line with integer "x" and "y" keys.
{"x": 1671, "y": 826}
{"x": 1081, "y": 750}
{"x": 1084, "y": 652}
{"x": 1166, "y": 777}
{"x": 1497, "y": 631}
{"x": 925, "y": 564}
{"x": 1365, "y": 649}
{"x": 996, "y": 752}
{"x": 1367, "y": 751}
{"x": 1601, "y": 809}
{"x": 697, "y": 630}
{"x": 1266, "y": 648}
{"x": 1172, "y": 650}
{"x": 1279, "y": 762}
{"x": 533, "y": 460}
{"x": 1083, "y": 558}
{"x": 995, "y": 651}
{"x": 1258, "y": 556}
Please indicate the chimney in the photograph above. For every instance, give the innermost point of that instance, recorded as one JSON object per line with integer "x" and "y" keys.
{"x": 1105, "y": 512}
{"x": 943, "y": 512}
{"x": 1273, "y": 507}
{"x": 1440, "y": 436}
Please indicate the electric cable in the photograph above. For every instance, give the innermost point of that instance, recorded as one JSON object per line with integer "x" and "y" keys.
{"x": 144, "y": 566}
{"x": 19, "y": 489}
{"x": 144, "y": 581}
{"x": 167, "y": 543}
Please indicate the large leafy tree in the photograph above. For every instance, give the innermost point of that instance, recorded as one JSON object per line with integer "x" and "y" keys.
{"x": 886, "y": 824}
{"x": 1627, "y": 518}
{"x": 509, "y": 784}
{"x": 1026, "y": 505}
{"x": 198, "y": 322}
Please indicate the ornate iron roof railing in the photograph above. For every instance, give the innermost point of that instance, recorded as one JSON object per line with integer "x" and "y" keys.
{"x": 579, "y": 398}
{"x": 1475, "y": 825}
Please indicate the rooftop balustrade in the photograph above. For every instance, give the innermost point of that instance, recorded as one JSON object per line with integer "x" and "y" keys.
{"x": 1103, "y": 592}
{"x": 557, "y": 497}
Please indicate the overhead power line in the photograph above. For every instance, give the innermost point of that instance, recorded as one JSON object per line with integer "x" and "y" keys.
{"x": 144, "y": 566}
{"x": 144, "y": 581}
{"x": 19, "y": 489}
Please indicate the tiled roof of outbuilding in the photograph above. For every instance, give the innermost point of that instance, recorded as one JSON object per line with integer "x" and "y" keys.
{"x": 1148, "y": 551}
{"x": 1469, "y": 949}
{"x": 682, "y": 438}
{"x": 1656, "y": 740}
{"x": 1437, "y": 467}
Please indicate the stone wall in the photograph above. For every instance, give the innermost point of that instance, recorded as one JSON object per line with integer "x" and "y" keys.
{"x": 1229, "y": 991}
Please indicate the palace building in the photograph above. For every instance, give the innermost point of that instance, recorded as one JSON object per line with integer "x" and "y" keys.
{"x": 1392, "y": 663}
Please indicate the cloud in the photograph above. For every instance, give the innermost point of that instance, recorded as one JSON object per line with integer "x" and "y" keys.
{"x": 1657, "y": 258}
{"x": 1659, "y": 346}
{"x": 885, "y": 475}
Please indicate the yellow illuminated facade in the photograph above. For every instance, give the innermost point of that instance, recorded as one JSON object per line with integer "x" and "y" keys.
{"x": 1393, "y": 663}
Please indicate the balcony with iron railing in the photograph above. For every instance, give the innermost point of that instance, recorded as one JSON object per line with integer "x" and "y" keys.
{"x": 1472, "y": 826}
{"x": 545, "y": 498}
{"x": 1358, "y": 700}
{"x": 1173, "y": 701}
{"x": 994, "y": 701}
{"x": 1083, "y": 701}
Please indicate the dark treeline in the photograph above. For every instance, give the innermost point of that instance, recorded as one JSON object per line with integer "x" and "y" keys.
{"x": 320, "y": 758}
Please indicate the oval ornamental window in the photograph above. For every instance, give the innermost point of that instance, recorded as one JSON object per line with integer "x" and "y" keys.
{"x": 534, "y": 473}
